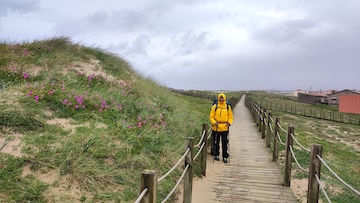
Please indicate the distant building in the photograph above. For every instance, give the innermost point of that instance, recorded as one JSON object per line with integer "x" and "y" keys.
{"x": 333, "y": 98}
{"x": 347, "y": 100}
{"x": 349, "y": 103}
{"x": 312, "y": 98}
{"x": 296, "y": 92}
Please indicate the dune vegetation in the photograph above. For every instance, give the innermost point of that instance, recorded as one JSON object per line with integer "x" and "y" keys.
{"x": 78, "y": 124}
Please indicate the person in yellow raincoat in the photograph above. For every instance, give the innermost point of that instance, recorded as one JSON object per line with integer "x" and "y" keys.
{"x": 221, "y": 117}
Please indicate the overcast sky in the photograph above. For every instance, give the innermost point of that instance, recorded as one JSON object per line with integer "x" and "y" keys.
{"x": 207, "y": 44}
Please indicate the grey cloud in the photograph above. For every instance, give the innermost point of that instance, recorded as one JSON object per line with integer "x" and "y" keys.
{"x": 139, "y": 46}
{"x": 189, "y": 63}
{"x": 284, "y": 32}
{"x": 118, "y": 47}
{"x": 18, "y": 6}
{"x": 132, "y": 49}
{"x": 190, "y": 42}
{"x": 299, "y": 24}
{"x": 127, "y": 20}
{"x": 168, "y": 4}
{"x": 124, "y": 21}
{"x": 214, "y": 45}
{"x": 97, "y": 18}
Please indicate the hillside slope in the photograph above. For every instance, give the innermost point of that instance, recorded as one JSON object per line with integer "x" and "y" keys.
{"x": 78, "y": 124}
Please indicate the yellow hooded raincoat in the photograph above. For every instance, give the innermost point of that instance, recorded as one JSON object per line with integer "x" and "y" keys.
{"x": 223, "y": 115}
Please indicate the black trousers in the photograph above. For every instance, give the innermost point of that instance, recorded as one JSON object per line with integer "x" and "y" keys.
{"x": 224, "y": 143}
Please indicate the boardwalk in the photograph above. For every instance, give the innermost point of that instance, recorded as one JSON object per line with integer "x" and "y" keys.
{"x": 250, "y": 176}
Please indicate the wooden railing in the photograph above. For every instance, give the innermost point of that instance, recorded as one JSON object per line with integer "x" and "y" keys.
{"x": 313, "y": 113}
{"x": 150, "y": 180}
{"x": 268, "y": 126}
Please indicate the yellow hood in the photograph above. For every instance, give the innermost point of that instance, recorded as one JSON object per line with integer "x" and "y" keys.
{"x": 223, "y": 95}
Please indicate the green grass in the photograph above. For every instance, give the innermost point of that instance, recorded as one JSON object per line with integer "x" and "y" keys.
{"x": 88, "y": 117}
{"x": 340, "y": 147}
{"x": 290, "y": 104}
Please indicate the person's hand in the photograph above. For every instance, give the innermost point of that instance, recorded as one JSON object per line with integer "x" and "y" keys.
{"x": 228, "y": 124}
{"x": 217, "y": 124}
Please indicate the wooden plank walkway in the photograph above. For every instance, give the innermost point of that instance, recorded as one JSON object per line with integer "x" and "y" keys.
{"x": 251, "y": 176}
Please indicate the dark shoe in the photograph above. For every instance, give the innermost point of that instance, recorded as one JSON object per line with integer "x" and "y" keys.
{"x": 216, "y": 158}
{"x": 225, "y": 160}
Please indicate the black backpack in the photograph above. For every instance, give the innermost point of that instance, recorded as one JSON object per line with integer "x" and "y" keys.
{"x": 227, "y": 104}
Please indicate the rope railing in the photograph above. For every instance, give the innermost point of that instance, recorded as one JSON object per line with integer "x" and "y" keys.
{"x": 272, "y": 120}
{"x": 176, "y": 185}
{"x": 341, "y": 180}
{"x": 149, "y": 180}
{"x": 271, "y": 129}
{"x": 304, "y": 148}
{"x": 174, "y": 167}
{"x": 201, "y": 139}
{"x": 278, "y": 134}
{"x": 200, "y": 150}
{"x": 209, "y": 133}
{"x": 322, "y": 188}
{"x": 316, "y": 161}
{"x": 317, "y": 113}
{"x": 281, "y": 128}
{"x": 296, "y": 161}
{"x": 142, "y": 194}
{"x": 266, "y": 114}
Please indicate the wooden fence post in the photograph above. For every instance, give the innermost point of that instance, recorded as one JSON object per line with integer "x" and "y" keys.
{"x": 260, "y": 120}
{"x": 275, "y": 149}
{"x": 251, "y": 105}
{"x": 268, "y": 130}
{"x": 257, "y": 116}
{"x": 149, "y": 181}
{"x": 331, "y": 115}
{"x": 204, "y": 150}
{"x": 253, "y": 110}
{"x": 189, "y": 174}
{"x": 314, "y": 168}
{"x": 288, "y": 157}
{"x": 263, "y": 124}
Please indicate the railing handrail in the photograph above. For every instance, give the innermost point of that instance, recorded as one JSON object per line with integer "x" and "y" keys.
{"x": 201, "y": 144}
{"x": 142, "y": 194}
{"x": 263, "y": 116}
{"x": 259, "y": 109}
{"x": 174, "y": 167}
{"x": 177, "y": 184}
{"x": 318, "y": 113}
